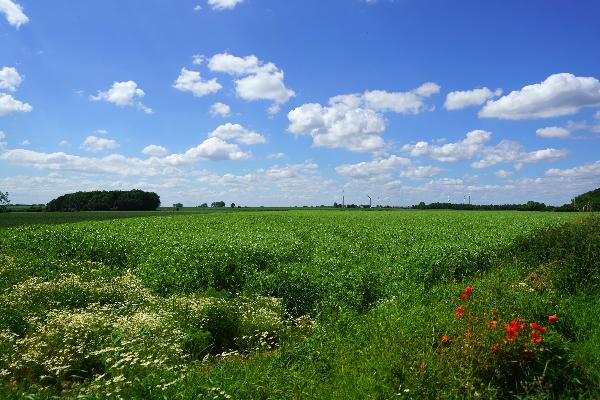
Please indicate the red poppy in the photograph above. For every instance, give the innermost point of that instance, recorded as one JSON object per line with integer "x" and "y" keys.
{"x": 468, "y": 289}
{"x": 492, "y": 324}
{"x": 553, "y": 318}
{"x": 464, "y": 296}
{"x": 538, "y": 327}
{"x": 512, "y": 330}
{"x": 445, "y": 339}
{"x": 459, "y": 312}
{"x": 536, "y": 337}
{"x": 495, "y": 347}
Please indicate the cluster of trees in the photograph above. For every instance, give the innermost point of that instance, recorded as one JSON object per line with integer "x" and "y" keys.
{"x": 4, "y": 201}
{"x": 589, "y": 201}
{"x": 217, "y": 204}
{"x": 115, "y": 200}
{"x": 529, "y": 206}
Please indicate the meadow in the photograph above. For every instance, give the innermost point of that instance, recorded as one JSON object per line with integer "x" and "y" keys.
{"x": 303, "y": 304}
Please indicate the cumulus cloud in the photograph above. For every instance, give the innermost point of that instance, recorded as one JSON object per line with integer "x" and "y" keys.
{"x": 276, "y": 156}
{"x": 223, "y": 4}
{"x": 465, "y": 149}
{"x": 237, "y": 133}
{"x": 190, "y": 81}
{"x": 220, "y": 109}
{"x": 476, "y": 97}
{"x": 371, "y": 168}
{"x": 13, "y": 12}
{"x": 211, "y": 149}
{"x": 154, "y": 150}
{"x": 474, "y": 147}
{"x": 197, "y": 59}
{"x": 96, "y": 144}
{"x": 356, "y": 121}
{"x": 502, "y": 173}
{"x": 591, "y": 170}
{"x": 558, "y": 95}
{"x": 123, "y": 94}
{"x": 10, "y": 78}
{"x": 553, "y": 132}
{"x": 256, "y": 80}
{"x": 9, "y": 105}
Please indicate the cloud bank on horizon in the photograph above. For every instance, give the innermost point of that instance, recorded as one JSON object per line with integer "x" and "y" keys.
{"x": 239, "y": 102}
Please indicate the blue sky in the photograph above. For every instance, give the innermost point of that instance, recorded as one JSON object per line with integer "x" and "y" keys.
{"x": 270, "y": 102}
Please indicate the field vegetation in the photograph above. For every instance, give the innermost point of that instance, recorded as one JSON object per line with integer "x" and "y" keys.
{"x": 303, "y": 304}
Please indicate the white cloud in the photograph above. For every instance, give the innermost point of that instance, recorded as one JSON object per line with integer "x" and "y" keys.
{"x": 9, "y": 105}
{"x": 597, "y": 115}
{"x": 400, "y": 102}
{"x": 2, "y": 135}
{"x": 64, "y": 143}
{"x": 197, "y": 8}
{"x": 211, "y": 149}
{"x": 356, "y": 121}
{"x": 190, "y": 81}
{"x": 197, "y": 59}
{"x": 420, "y": 172}
{"x": 237, "y": 133}
{"x": 10, "y": 78}
{"x": 233, "y": 65}
{"x": 591, "y": 170}
{"x": 502, "y": 173}
{"x": 558, "y": 95}
{"x": 96, "y": 144}
{"x": 276, "y": 156}
{"x": 25, "y": 142}
{"x": 224, "y": 4}
{"x": 13, "y": 12}
{"x": 553, "y": 132}
{"x": 220, "y": 109}
{"x": 367, "y": 169}
{"x": 101, "y": 132}
{"x": 155, "y": 150}
{"x": 466, "y": 149}
{"x": 474, "y": 146}
{"x": 258, "y": 81}
{"x": 461, "y": 99}
{"x": 124, "y": 94}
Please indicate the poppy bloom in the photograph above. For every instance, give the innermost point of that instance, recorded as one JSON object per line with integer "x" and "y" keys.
{"x": 468, "y": 289}
{"x": 464, "y": 296}
{"x": 495, "y": 347}
{"x": 512, "y": 330}
{"x": 459, "y": 312}
{"x": 536, "y": 337}
{"x": 492, "y": 324}
{"x": 538, "y": 327}
{"x": 553, "y": 318}
{"x": 445, "y": 339}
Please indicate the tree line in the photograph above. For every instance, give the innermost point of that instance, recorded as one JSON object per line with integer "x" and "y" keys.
{"x": 114, "y": 200}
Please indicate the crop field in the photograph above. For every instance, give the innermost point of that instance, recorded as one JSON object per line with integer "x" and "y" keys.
{"x": 302, "y": 304}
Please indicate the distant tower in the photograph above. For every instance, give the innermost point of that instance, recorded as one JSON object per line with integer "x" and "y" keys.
{"x": 469, "y": 198}
{"x": 369, "y": 201}
{"x": 343, "y": 198}
{"x": 448, "y": 199}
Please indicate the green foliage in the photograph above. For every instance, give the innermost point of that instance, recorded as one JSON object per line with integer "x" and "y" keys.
{"x": 4, "y": 201}
{"x": 297, "y": 304}
{"x": 589, "y": 201}
{"x": 116, "y": 200}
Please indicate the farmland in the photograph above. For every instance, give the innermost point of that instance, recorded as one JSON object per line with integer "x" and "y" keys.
{"x": 300, "y": 304}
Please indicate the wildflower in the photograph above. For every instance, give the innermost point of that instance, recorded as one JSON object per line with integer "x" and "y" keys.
{"x": 468, "y": 289}
{"x": 422, "y": 366}
{"x": 553, "y": 318}
{"x": 495, "y": 347}
{"x": 536, "y": 337}
{"x": 464, "y": 296}
{"x": 459, "y": 312}
{"x": 495, "y": 314}
{"x": 445, "y": 339}
{"x": 492, "y": 324}
{"x": 512, "y": 330}
{"x": 538, "y": 327}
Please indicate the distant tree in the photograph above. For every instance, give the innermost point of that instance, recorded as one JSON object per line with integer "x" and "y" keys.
{"x": 4, "y": 201}
{"x": 589, "y": 201}
{"x": 217, "y": 204}
{"x": 203, "y": 205}
{"x": 177, "y": 206}
{"x": 116, "y": 200}
{"x": 232, "y": 205}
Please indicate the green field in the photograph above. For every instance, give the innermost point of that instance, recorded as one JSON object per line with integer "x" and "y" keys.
{"x": 301, "y": 304}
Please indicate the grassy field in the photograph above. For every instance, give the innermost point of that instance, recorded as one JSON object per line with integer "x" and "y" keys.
{"x": 302, "y": 304}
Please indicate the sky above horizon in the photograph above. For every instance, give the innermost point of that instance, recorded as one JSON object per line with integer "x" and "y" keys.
{"x": 284, "y": 103}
